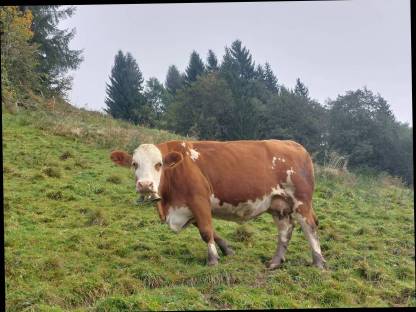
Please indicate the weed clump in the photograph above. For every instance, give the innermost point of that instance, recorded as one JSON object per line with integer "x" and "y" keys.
{"x": 65, "y": 155}
{"x": 55, "y": 195}
{"x": 243, "y": 233}
{"x": 114, "y": 179}
{"x": 97, "y": 217}
{"x": 51, "y": 172}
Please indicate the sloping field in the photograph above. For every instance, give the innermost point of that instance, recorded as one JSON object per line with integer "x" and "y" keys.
{"x": 75, "y": 239}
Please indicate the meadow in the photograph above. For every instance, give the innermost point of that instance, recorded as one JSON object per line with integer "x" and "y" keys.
{"x": 76, "y": 239}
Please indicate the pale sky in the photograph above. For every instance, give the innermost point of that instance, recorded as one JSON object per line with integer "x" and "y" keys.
{"x": 332, "y": 46}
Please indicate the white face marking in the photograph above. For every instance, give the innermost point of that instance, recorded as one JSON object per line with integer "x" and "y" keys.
{"x": 147, "y": 156}
{"x": 194, "y": 154}
{"x": 183, "y": 144}
{"x": 177, "y": 218}
{"x": 213, "y": 249}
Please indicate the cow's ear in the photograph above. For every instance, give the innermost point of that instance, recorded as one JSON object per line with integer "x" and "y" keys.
{"x": 121, "y": 158}
{"x": 172, "y": 158}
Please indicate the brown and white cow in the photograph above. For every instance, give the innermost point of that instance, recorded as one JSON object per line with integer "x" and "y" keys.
{"x": 235, "y": 180}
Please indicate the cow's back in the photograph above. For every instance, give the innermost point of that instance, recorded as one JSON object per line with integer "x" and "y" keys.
{"x": 239, "y": 171}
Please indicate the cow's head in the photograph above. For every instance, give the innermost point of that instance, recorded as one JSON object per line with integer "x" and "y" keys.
{"x": 147, "y": 165}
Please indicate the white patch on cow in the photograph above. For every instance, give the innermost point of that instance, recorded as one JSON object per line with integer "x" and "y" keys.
{"x": 183, "y": 144}
{"x": 273, "y": 162}
{"x": 245, "y": 210}
{"x": 283, "y": 226}
{"x": 213, "y": 249}
{"x": 289, "y": 188}
{"x": 147, "y": 156}
{"x": 177, "y": 218}
{"x": 194, "y": 154}
{"x": 311, "y": 237}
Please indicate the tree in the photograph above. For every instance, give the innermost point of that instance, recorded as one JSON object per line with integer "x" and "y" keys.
{"x": 212, "y": 61}
{"x": 18, "y": 54}
{"x": 362, "y": 127}
{"x": 124, "y": 93}
{"x": 270, "y": 79}
{"x": 301, "y": 89}
{"x": 242, "y": 58}
{"x": 195, "y": 68}
{"x": 204, "y": 109}
{"x": 174, "y": 80}
{"x": 156, "y": 97}
{"x": 55, "y": 56}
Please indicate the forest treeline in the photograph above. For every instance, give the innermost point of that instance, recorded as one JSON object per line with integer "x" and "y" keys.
{"x": 235, "y": 99}
{"x": 227, "y": 98}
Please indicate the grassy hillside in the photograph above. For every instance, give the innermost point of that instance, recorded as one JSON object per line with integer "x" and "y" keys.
{"x": 75, "y": 239}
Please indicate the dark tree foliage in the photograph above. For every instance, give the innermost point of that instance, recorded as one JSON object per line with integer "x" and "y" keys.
{"x": 204, "y": 109}
{"x": 55, "y": 56}
{"x": 174, "y": 80}
{"x": 362, "y": 127}
{"x": 270, "y": 78}
{"x": 156, "y": 97}
{"x": 301, "y": 89}
{"x": 212, "y": 62}
{"x": 124, "y": 92}
{"x": 294, "y": 117}
{"x": 195, "y": 68}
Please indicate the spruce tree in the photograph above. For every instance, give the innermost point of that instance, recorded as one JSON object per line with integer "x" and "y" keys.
{"x": 55, "y": 56}
{"x": 212, "y": 61}
{"x": 301, "y": 89}
{"x": 124, "y": 98}
{"x": 269, "y": 78}
{"x": 243, "y": 59}
{"x": 195, "y": 68}
{"x": 174, "y": 80}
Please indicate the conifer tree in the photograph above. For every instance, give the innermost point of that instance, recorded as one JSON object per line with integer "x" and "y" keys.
{"x": 174, "y": 80}
{"x": 55, "y": 56}
{"x": 212, "y": 61}
{"x": 301, "y": 89}
{"x": 195, "y": 68}
{"x": 269, "y": 78}
{"x": 124, "y": 98}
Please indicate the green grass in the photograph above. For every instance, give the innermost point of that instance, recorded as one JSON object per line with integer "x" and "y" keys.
{"x": 76, "y": 240}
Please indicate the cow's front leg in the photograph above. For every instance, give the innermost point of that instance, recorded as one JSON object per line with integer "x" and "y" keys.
{"x": 203, "y": 220}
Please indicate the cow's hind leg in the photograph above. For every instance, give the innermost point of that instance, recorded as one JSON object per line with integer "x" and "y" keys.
{"x": 309, "y": 222}
{"x": 285, "y": 227}
{"x": 226, "y": 250}
{"x": 281, "y": 211}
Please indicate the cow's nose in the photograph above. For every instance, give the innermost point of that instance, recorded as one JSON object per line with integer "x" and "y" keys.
{"x": 144, "y": 185}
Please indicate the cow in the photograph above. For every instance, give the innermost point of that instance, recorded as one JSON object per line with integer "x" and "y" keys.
{"x": 195, "y": 181}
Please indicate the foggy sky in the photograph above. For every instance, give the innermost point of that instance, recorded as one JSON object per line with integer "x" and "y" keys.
{"x": 332, "y": 46}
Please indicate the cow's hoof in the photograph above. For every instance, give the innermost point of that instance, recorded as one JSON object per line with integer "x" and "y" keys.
{"x": 319, "y": 262}
{"x": 273, "y": 265}
{"x": 320, "y": 265}
{"x": 229, "y": 252}
{"x": 213, "y": 262}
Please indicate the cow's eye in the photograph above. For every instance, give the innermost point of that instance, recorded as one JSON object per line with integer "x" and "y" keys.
{"x": 134, "y": 164}
{"x": 158, "y": 165}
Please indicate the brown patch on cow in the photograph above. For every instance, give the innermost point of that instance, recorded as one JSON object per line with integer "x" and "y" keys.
{"x": 281, "y": 207}
{"x": 121, "y": 158}
{"x": 172, "y": 159}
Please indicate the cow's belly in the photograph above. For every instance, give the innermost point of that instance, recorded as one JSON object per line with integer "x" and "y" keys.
{"x": 242, "y": 212}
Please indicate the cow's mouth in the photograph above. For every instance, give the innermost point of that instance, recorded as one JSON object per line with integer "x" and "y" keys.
{"x": 148, "y": 197}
